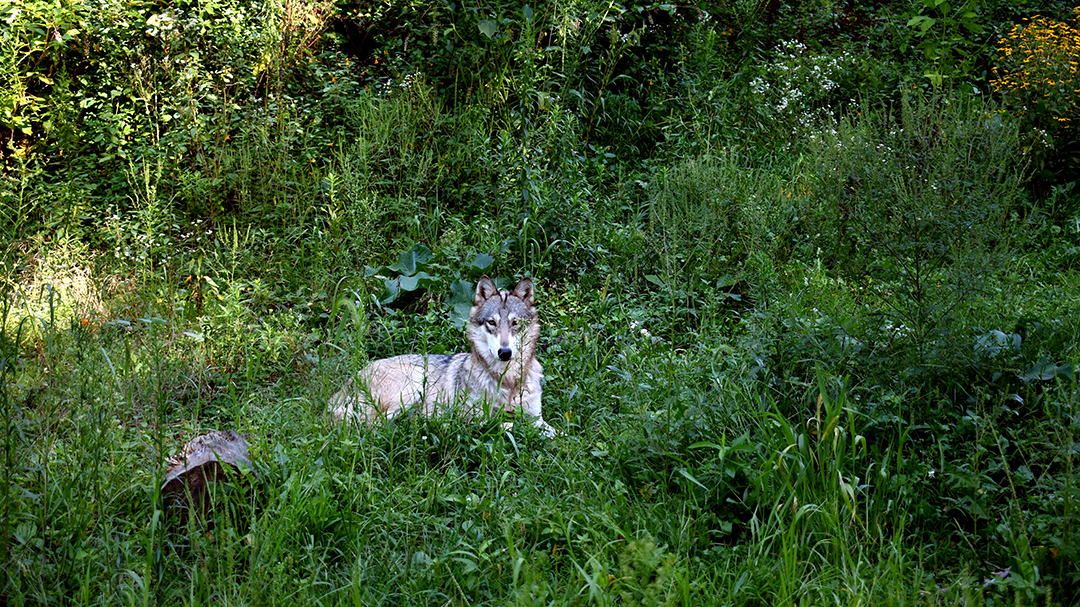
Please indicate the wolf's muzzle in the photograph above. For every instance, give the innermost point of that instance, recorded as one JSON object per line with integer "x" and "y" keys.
{"x": 505, "y": 354}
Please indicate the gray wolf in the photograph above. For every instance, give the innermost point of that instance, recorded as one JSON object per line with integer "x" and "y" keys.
{"x": 500, "y": 373}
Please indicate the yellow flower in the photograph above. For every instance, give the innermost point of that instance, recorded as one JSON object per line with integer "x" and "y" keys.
{"x": 1038, "y": 63}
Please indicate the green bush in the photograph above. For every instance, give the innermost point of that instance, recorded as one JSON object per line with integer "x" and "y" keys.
{"x": 918, "y": 208}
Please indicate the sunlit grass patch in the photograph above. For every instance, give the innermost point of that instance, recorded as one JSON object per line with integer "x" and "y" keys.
{"x": 55, "y": 286}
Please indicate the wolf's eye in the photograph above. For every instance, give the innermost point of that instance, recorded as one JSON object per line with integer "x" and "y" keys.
{"x": 490, "y": 323}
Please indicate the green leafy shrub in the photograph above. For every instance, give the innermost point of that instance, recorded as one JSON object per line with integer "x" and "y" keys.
{"x": 950, "y": 38}
{"x": 39, "y": 43}
{"x": 917, "y": 208}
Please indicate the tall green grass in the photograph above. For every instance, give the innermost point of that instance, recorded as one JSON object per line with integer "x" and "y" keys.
{"x": 680, "y": 480}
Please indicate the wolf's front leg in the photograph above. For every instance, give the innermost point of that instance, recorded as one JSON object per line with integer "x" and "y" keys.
{"x": 530, "y": 406}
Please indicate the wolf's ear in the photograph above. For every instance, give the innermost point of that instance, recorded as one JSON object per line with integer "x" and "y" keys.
{"x": 524, "y": 290}
{"x": 485, "y": 289}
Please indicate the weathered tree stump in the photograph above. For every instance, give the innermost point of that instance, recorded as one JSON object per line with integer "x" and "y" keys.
{"x": 201, "y": 463}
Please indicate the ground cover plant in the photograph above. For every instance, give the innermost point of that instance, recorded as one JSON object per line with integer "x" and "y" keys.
{"x": 808, "y": 274}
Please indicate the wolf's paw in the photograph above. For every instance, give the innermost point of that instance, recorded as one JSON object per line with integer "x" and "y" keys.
{"x": 546, "y": 429}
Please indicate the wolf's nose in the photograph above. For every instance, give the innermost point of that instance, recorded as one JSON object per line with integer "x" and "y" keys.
{"x": 505, "y": 354}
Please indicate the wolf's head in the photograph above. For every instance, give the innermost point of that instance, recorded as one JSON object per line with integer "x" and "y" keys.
{"x": 503, "y": 325}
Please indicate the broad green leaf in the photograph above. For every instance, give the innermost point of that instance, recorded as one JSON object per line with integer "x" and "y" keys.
{"x": 421, "y": 253}
{"x": 923, "y": 22}
{"x": 419, "y": 280}
{"x": 1046, "y": 369}
{"x": 390, "y": 291}
{"x": 970, "y": 26}
{"x": 480, "y": 263}
{"x": 459, "y": 314}
{"x": 409, "y": 261}
{"x": 463, "y": 292}
{"x": 488, "y": 27}
{"x": 406, "y": 262}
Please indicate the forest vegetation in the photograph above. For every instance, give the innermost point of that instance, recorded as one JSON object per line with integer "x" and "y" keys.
{"x": 808, "y": 273}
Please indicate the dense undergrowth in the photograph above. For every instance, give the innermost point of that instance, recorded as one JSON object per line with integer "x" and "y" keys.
{"x": 809, "y": 275}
